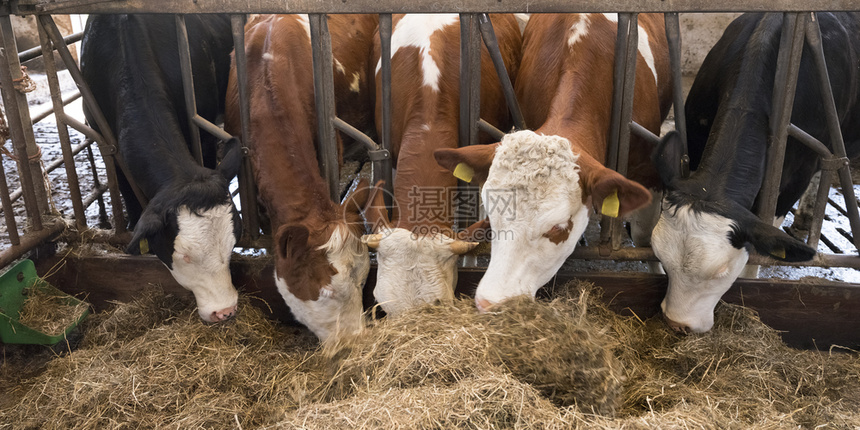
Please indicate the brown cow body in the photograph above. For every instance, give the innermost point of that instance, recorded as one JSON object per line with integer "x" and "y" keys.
{"x": 320, "y": 263}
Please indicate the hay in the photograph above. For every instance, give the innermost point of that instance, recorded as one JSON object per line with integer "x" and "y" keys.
{"x": 569, "y": 363}
{"x": 49, "y": 312}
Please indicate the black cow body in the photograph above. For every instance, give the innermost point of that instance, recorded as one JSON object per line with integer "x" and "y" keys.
{"x": 708, "y": 222}
{"x": 131, "y": 63}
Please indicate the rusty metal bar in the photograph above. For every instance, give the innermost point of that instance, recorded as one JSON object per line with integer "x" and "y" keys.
{"x": 422, "y": 6}
{"x": 63, "y": 133}
{"x": 673, "y": 37}
{"x": 813, "y": 36}
{"x": 492, "y": 43}
{"x": 188, "y": 87}
{"x": 488, "y": 128}
{"x": 324, "y": 100}
{"x": 106, "y": 139}
{"x": 8, "y": 211}
{"x": 788, "y": 65}
{"x": 51, "y": 228}
{"x": 37, "y": 51}
{"x": 247, "y": 186}
{"x": 50, "y": 110}
{"x": 382, "y": 169}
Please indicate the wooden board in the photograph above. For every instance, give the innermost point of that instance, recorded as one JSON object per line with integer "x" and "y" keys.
{"x": 810, "y": 315}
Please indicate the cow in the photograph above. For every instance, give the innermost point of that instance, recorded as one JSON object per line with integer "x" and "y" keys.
{"x": 321, "y": 264}
{"x": 539, "y": 185}
{"x": 417, "y": 249}
{"x": 708, "y": 227}
{"x": 131, "y": 63}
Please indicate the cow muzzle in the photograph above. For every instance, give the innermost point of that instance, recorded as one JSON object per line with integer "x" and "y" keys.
{"x": 223, "y": 314}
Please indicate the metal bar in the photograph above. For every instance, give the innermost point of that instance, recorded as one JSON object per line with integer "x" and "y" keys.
{"x": 37, "y": 51}
{"x": 820, "y": 206}
{"x": 673, "y": 37}
{"x": 617, "y": 90}
{"x": 783, "y": 101}
{"x": 210, "y": 128}
{"x": 97, "y": 193}
{"x": 629, "y": 90}
{"x": 50, "y": 110}
{"x": 426, "y": 6}
{"x": 51, "y": 228}
{"x": 489, "y": 36}
{"x": 63, "y": 132}
{"x": 247, "y": 187}
{"x": 813, "y": 35}
{"x": 488, "y": 128}
{"x": 103, "y": 219}
{"x": 20, "y": 129}
{"x": 324, "y": 99}
{"x": 188, "y": 87}
{"x": 353, "y": 132}
{"x": 8, "y": 211}
{"x": 106, "y": 139}
{"x": 807, "y": 139}
{"x": 644, "y": 133}
{"x": 382, "y": 169}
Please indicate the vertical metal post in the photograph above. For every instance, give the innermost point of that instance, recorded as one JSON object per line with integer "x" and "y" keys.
{"x": 492, "y": 43}
{"x": 820, "y": 205}
{"x": 247, "y": 189}
{"x": 673, "y": 37}
{"x": 788, "y": 65}
{"x": 108, "y": 147}
{"x": 629, "y": 89}
{"x": 470, "y": 102}
{"x": 324, "y": 99}
{"x": 188, "y": 86}
{"x": 8, "y": 211}
{"x": 813, "y": 34}
{"x": 617, "y": 89}
{"x": 20, "y": 128}
{"x": 62, "y": 130}
{"x": 382, "y": 168}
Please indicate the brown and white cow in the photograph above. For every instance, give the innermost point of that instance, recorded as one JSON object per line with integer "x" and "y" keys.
{"x": 320, "y": 262}
{"x": 417, "y": 250}
{"x": 539, "y": 186}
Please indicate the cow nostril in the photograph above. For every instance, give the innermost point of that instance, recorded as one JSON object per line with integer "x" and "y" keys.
{"x": 224, "y": 314}
{"x": 676, "y": 326}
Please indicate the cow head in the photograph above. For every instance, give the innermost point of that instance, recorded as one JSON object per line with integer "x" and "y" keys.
{"x": 321, "y": 268}
{"x": 415, "y": 267}
{"x": 192, "y": 228}
{"x": 533, "y": 194}
{"x": 702, "y": 240}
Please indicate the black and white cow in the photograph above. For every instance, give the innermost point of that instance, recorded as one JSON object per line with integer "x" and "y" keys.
{"x": 708, "y": 224}
{"x": 131, "y": 63}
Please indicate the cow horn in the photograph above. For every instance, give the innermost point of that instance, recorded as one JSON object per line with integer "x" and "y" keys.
{"x": 460, "y": 247}
{"x": 372, "y": 240}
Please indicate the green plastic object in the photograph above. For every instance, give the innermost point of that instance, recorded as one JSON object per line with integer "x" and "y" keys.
{"x": 12, "y": 297}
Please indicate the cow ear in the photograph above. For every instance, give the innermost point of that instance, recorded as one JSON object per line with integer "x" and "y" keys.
{"x": 291, "y": 241}
{"x": 469, "y": 163}
{"x": 614, "y": 195}
{"x": 229, "y": 166}
{"x": 375, "y": 211}
{"x": 668, "y": 157}
{"x": 150, "y": 235}
{"x": 477, "y": 232}
{"x": 770, "y": 241}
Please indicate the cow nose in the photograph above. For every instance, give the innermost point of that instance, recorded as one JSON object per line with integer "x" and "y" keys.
{"x": 676, "y": 326}
{"x": 224, "y": 314}
{"x": 482, "y": 305}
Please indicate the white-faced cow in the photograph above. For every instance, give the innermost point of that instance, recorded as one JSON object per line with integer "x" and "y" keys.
{"x": 321, "y": 264}
{"x": 417, "y": 249}
{"x": 539, "y": 186}
{"x": 131, "y": 63}
{"x": 708, "y": 224}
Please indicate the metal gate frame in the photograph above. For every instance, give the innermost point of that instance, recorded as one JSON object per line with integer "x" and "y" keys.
{"x": 474, "y": 27}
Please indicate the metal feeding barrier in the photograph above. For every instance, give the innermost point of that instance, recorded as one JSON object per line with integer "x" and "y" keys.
{"x": 476, "y": 29}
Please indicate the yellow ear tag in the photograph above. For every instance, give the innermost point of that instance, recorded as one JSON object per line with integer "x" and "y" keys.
{"x": 464, "y": 172}
{"x": 779, "y": 253}
{"x": 144, "y": 246}
{"x": 611, "y": 205}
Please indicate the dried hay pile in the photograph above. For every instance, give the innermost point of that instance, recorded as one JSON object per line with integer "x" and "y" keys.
{"x": 48, "y": 312}
{"x": 569, "y": 363}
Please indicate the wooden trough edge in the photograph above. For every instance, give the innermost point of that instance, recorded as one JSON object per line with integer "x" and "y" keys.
{"x": 809, "y": 314}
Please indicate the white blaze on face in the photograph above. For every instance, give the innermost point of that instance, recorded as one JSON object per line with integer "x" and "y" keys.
{"x": 534, "y": 202}
{"x": 201, "y": 259}
{"x": 338, "y": 310}
{"x": 414, "y": 270}
{"x": 414, "y": 30}
{"x": 700, "y": 261}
